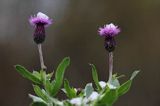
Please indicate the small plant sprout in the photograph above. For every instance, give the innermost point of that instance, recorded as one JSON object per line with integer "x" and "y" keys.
{"x": 39, "y": 22}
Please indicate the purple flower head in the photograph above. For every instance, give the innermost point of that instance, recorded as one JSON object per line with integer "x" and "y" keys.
{"x": 40, "y": 22}
{"x": 41, "y": 18}
{"x": 109, "y": 30}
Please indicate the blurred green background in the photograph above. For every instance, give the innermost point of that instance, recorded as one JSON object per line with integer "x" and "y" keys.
{"x": 74, "y": 34}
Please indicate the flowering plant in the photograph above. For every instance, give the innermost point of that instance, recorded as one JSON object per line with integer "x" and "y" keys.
{"x": 97, "y": 93}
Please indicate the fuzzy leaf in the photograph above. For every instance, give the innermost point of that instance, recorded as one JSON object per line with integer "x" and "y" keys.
{"x": 88, "y": 89}
{"x": 49, "y": 76}
{"x": 55, "y": 101}
{"x": 39, "y": 92}
{"x": 59, "y": 75}
{"x": 70, "y": 92}
{"x": 26, "y": 74}
{"x": 38, "y": 104}
{"x": 37, "y": 101}
{"x": 134, "y": 74}
{"x": 37, "y": 74}
{"x": 109, "y": 97}
{"x": 48, "y": 86}
{"x": 124, "y": 88}
{"x": 95, "y": 77}
{"x": 43, "y": 76}
{"x": 115, "y": 81}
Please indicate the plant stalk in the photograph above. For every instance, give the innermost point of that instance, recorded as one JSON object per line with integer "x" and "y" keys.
{"x": 110, "y": 66}
{"x": 43, "y": 67}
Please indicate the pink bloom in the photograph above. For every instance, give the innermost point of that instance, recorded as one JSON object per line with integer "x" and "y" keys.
{"x": 40, "y": 18}
{"x": 39, "y": 22}
{"x": 109, "y": 30}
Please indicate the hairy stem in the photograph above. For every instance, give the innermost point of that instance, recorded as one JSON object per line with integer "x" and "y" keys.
{"x": 110, "y": 66}
{"x": 43, "y": 67}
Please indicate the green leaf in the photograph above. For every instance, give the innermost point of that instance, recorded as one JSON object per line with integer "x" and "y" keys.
{"x": 43, "y": 76}
{"x": 124, "y": 88}
{"x": 59, "y": 75}
{"x": 50, "y": 100}
{"x": 109, "y": 97}
{"x": 49, "y": 76}
{"x": 28, "y": 75}
{"x": 37, "y": 74}
{"x": 95, "y": 77}
{"x": 38, "y": 104}
{"x": 67, "y": 103}
{"x": 48, "y": 86}
{"x": 88, "y": 89}
{"x": 114, "y": 81}
{"x": 40, "y": 93}
{"x": 134, "y": 74}
{"x": 70, "y": 92}
{"x": 55, "y": 102}
{"x": 37, "y": 101}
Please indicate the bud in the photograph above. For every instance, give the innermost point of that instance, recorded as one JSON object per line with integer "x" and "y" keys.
{"x": 109, "y": 44}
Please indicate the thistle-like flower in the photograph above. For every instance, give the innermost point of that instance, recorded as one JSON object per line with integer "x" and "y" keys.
{"x": 40, "y": 21}
{"x": 109, "y": 31}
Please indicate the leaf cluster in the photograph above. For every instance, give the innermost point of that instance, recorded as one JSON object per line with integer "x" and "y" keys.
{"x": 46, "y": 86}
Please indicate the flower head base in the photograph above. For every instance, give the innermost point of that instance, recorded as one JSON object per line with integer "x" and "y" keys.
{"x": 109, "y": 44}
{"x": 109, "y": 30}
{"x": 40, "y": 22}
